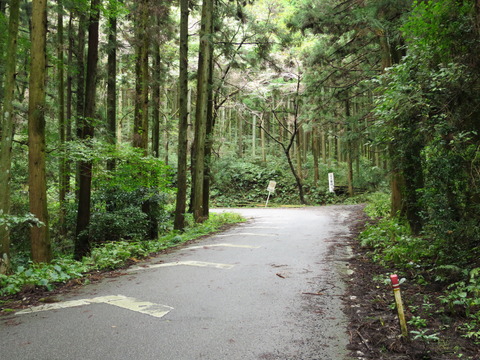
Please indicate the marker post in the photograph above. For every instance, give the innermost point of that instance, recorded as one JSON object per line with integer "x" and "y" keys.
{"x": 398, "y": 301}
{"x": 270, "y": 189}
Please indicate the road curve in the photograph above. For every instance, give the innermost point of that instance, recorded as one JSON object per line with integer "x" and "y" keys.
{"x": 270, "y": 288}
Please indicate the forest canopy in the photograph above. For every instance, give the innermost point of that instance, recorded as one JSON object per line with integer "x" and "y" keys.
{"x": 121, "y": 118}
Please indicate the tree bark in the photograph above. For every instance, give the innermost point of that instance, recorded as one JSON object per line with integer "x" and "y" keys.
{"x": 8, "y": 130}
{"x": 315, "y": 151}
{"x": 112, "y": 82}
{"x": 208, "y": 139}
{"x": 69, "y": 98}
{"x": 180, "y": 206}
{"x": 62, "y": 176}
{"x": 80, "y": 76}
{"x": 157, "y": 63}
{"x": 239, "y": 133}
{"x": 140, "y": 129}
{"x": 202, "y": 109}
{"x": 80, "y": 82}
{"x": 349, "y": 150}
{"x": 83, "y": 243}
{"x": 40, "y": 236}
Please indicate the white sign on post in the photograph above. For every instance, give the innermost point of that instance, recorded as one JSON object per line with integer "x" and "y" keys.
{"x": 331, "y": 182}
{"x": 271, "y": 186}
{"x": 270, "y": 189}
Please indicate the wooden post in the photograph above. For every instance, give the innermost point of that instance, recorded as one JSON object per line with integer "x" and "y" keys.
{"x": 398, "y": 301}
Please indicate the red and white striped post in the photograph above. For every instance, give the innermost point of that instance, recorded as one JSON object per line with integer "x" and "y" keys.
{"x": 398, "y": 301}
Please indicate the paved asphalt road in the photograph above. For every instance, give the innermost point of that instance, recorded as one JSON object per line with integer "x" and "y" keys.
{"x": 267, "y": 289}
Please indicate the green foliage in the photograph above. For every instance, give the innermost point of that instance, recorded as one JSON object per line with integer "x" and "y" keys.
{"x": 425, "y": 336}
{"x": 43, "y": 275}
{"x": 464, "y": 294}
{"x": 426, "y": 112}
{"x": 439, "y": 27}
{"x": 115, "y": 254}
{"x": 109, "y": 255}
{"x": 118, "y": 195}
{"x": 118, "y": 214}
{"x": 378, "y": 205}
{"x": 391, "y": 242}
{"x": 239, "y": 182}
{"x": 133, "y": 169}
{"x": 418, "y": 322}
{"x": 10, "y": 221}
{"x": 471, "y": 328}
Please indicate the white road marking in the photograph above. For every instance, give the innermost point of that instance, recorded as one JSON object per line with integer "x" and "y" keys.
{"x": 144, "y": 307}
{"x": 263, "y": 227}
{"x": 244, "y": 234}
{"x": 223, "y": 245}
{"x": 270, "y": 222}
{"x": 187, "y": 263}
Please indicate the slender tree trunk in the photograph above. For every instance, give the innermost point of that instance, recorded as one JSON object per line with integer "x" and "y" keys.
{"x": 339, "y": 132}
{"x": 298, "y": 179}
{"x": 239, "y": 134}
{"x": 315, "y": 151}
{"x": 202, "y": 108}
{"x": 40, "y": 237}
{"x": 8, "y": 130}
{"x": 157, "y": 63}
{"x": 180, "y": 208}
{"x": 82, "y": 243}
{"x": 111, "y": 95}
{"x": 331, "y": 145}
{"x": 349, "y": 168}
{"x": 349, "y": 149}
{"x": 112, "y": 82}
{"x": 208, "y": 138}
{"x": 254, "y": 135}
{"x": 324, "y": 147}
{"x": 167, "y": 111}
{"x": 63, "y": 176}
{"x": 69, "y": 98}
{"x": 262, "y": 139}
{"x": 80, "y": 77}
{"x": 397, "y": 181}
{"x": 298, "y": 152}
{"x": 140, "y": 130}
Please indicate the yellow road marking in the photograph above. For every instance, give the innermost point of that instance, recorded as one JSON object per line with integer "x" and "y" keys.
{"x": 223, "y": 245}
{"x": 129, "y": 303}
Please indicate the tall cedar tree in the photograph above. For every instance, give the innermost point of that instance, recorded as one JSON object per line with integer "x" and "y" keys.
{"x": 201, "y": 111}
{"x": 62, "y": 171}
{"x": 180, "y": 206}
{"x": 112, "y": 79}
{"x": 86, "y": 130}
{"x": 40, "y": 236}
{"x": 7, "y": 128}
{"x": 140, "y": 127}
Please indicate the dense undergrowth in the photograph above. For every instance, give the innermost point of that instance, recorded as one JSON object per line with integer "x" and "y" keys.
{"x": 105, "y": 256}
{"x": 243, "y": 182}
{"x": 452, "y": 284}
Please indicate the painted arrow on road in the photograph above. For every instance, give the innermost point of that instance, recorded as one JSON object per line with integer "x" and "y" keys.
{"x": 124, "y": 302}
